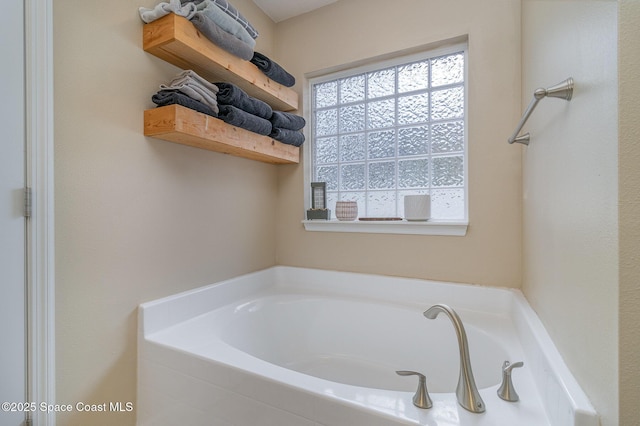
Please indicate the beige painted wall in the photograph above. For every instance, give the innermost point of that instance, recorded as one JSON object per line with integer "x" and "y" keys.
{"x": 355, "y": 30}
{"x": 570, "y": 181}
{"x": 136, "y": 218}
{"x": 629, "y": 206}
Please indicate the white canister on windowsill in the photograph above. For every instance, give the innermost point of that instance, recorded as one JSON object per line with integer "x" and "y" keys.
{"x": 417, "y": 207}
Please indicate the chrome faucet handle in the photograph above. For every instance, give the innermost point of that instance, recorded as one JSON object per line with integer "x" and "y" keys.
{"x": 507, "y": 391}
{"x": 421, "y": 399}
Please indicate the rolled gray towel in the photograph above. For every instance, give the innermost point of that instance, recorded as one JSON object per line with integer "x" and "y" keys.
{"x": 290, "y": 137}
{"x": 231, "y": 94}
{"x": 272, "y": 70}
{"x": 286, "y": 120}
{"x": 239, "y": 118}
{"x": 221, "y": 38}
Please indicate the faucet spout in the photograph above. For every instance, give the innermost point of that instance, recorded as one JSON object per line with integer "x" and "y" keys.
{"x": 466, "y": 391}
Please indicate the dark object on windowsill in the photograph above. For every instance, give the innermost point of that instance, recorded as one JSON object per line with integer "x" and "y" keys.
{"x": 375, "y": 219}
{"x": 322, "y": 214}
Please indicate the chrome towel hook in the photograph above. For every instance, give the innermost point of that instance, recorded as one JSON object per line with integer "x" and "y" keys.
{"x": 563, "y": 90}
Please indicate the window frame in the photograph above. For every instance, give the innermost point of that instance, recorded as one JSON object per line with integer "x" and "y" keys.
{"x": 456, "y": 227}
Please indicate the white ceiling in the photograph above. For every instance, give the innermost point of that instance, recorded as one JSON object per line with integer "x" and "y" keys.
{"x": 279, "y": 10}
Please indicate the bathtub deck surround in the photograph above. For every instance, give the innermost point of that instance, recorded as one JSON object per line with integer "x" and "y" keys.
{"x": 302, "y": 347}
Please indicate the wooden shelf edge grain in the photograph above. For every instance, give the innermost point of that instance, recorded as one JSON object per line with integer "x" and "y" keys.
{"x": 175, "y": 123}
{"x": 175, "y": 40}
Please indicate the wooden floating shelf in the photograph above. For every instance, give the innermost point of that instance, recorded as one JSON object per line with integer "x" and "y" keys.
{"x": 175, "y": 40}
{"x": 175, "y": 123}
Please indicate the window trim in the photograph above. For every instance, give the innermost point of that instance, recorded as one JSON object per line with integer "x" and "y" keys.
{"x": 453, "y": 227}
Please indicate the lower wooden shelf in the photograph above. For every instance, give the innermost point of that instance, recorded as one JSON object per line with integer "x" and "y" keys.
{"x": 175, "y": 123}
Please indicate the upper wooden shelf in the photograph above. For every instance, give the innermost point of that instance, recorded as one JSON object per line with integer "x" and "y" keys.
{"x": 175, "y": 40}
{"x": 185, "y": 126}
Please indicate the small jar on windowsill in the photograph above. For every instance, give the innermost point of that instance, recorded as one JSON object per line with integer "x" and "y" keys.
{"x": 346, "y": 210}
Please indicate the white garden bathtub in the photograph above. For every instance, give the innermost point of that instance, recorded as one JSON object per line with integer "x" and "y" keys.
{"x": 290, "y": 346}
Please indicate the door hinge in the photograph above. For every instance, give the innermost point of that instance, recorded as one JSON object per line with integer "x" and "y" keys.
{"x": 27, "y": 202}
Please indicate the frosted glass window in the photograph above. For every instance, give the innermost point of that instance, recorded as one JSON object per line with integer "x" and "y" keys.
{"x": 352, "y": 89}
{"x": 352, "y": 177}
{"x": 381, "y": 144}
{"x": 383, "y": 131}
{"x": 326, "y": 150}
{"x": 382, "y": 175}
{"x": 352, "y": 147}
{"x": 381, "y": 114}
{"x": 381, "y": 83}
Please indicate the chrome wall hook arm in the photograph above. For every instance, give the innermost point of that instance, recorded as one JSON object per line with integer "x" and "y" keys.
{"x": 563, "y": 90}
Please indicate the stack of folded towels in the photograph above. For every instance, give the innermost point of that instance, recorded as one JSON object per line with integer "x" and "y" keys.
{"x": 232, "y": 105}
{"x": 225, "y": 26}
{"x": 190, "y": 90}
{"x": 287, "y": 128}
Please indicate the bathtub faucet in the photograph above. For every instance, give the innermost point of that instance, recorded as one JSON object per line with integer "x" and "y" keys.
{"x": 467, "y": 391}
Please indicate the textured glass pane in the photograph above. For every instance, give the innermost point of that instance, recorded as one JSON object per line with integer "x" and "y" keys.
{"x": 352, "y": 147}
{"x": 382, "y": 144}
{"x": 447, "y": 103}
{"x": 413, "y": 173}
{"x": 413, "y": 141}
{"x": 382, "y": 175}
{"x": 447, "y": 203}
{"x": 327, "y": 122}
{"x": 328, "y": 174}
{"x": 352, "y": 89}
{"x": 326, "y": 94}
{"x": 413, "y": 77}
{"x": 332, "y": 197}
{"x": 381, "y": 204}
{"x": 352, "y": 118}
{"x": 382, "y": 114}
{"x": 447, "y": 70}
{"x": 381, "y": 83}
{"x": 326, "y": 150}
{"x": 352, "y": 177}
{"x": 359, "y": 196}
{"x": 448, "y": 171}
{"x": 447, "y": 137}
{"x": 413, "y": 109}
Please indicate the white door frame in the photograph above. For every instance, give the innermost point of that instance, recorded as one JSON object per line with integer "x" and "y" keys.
{"x": 40, "y": 227}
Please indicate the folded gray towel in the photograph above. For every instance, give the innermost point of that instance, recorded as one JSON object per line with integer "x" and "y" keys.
{"x": 231, "y": 11}
{"x": 190, "y": 76}
{"x": 226, "y": 22}
{"x": 286, "y": 120}
{"x": 231, "y": 94}
{"x": 239, "y": 118}
{"x": 170, "y": 97}
{"x": 221, "y": 38}
{"x": 149, "y": 15}
{"x": 195, "y": 90}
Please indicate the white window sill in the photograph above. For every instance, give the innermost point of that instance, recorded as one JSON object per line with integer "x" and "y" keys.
{"x": 431, "y": 227}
